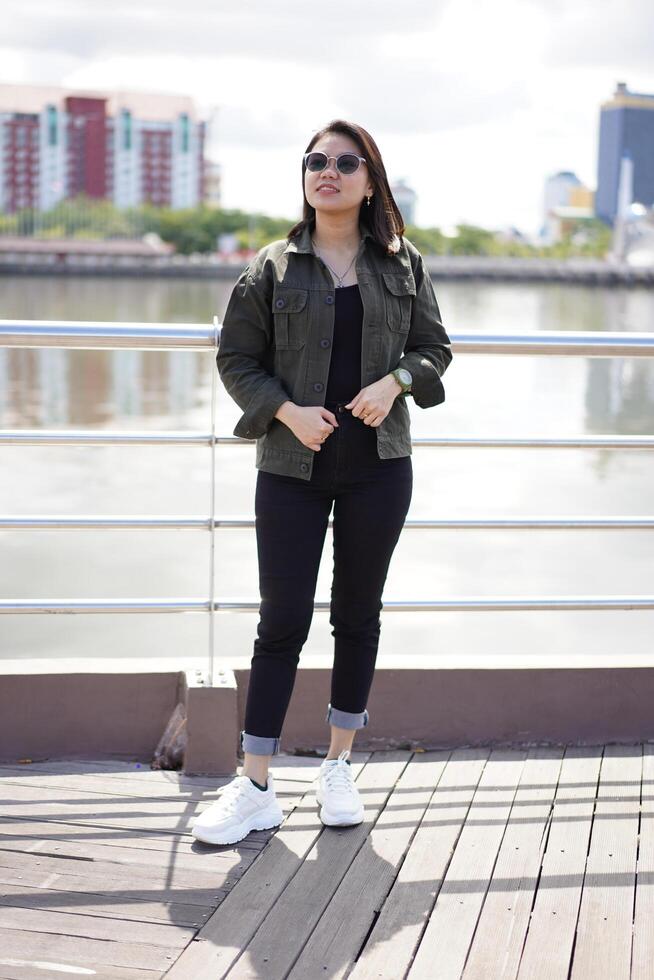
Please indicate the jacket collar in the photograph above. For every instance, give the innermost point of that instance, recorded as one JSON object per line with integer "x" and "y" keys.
{"x": 302, "y": 243}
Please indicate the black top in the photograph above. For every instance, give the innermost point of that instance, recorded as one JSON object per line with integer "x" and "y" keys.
{"x": 344, "y": 381}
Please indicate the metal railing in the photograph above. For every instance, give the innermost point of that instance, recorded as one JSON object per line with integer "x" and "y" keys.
{"x": 148, "y": 336}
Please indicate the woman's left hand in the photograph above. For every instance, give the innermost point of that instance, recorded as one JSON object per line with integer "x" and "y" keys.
{"x": 374, "y": 402}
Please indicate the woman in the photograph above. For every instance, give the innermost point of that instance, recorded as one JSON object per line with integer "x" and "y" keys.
{"x": 326, "y": 334}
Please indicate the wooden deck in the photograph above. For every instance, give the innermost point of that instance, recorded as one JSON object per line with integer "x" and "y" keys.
{"x": 474, "y": 863}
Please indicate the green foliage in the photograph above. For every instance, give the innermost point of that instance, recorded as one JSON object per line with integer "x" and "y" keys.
{"x": 590, "y": 237}
{"x": 196, "y": 230}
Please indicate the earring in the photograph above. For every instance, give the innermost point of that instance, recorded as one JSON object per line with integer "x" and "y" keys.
{"x": 368, "y": 200}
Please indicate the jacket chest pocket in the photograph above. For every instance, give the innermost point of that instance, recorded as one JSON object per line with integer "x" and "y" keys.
{"x": 289, "y": 317}
{"x": 398, "y": 299}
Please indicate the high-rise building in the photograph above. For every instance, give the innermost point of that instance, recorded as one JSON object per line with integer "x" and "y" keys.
{"x": 213, "y": 173}
{"x": 626, "y": 129}
{"x": 128, "y": 147}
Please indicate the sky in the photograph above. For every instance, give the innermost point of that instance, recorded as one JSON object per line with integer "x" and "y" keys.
{"x": 473, "y": 102}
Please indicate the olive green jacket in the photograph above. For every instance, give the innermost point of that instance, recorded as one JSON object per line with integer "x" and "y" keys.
{"x": 276, "y": 337}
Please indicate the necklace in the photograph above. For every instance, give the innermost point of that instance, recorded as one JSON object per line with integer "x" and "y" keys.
{"x": 340, "y": 278}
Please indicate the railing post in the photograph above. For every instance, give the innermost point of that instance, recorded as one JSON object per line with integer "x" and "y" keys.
{"x": 212, "y": 505}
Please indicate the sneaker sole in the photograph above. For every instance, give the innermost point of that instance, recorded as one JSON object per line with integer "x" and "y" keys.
{"x": 260, "y": 821}
{"x": 342, "y": 820}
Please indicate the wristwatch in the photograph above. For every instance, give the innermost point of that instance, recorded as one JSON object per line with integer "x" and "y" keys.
{"x": 403, "y": 378}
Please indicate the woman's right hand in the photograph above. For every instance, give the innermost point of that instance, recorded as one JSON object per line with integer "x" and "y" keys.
{"x": 311, "y": 424}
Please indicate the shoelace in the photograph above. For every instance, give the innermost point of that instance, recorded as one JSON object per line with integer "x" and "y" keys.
{"x": 230, "y": 795}
{"x": 339, "y": 775}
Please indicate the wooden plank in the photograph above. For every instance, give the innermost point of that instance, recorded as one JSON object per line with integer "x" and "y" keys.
{"x": 74, "y": 951}
{"x": 295, "y": 874}
{"x": 101, "y": 902}
{"x": 334, "y": 943}
{"x": 34, "y": 871}
{"x": 294, "y": 766}
{"x": 108, "y": 766}
{"x": 167, "y": 833}
{"x": 120, "y": 767}
{"x": 86, "y": 926}
{"x": 643, "y": 944}
{"x": 132, "y": 866}
{"x": 446, "y": 940}
{"x": 20, "y": 968}
{"x": 232, "y": 927}
{"x": 133, "y": 774}
{"x": 126, "y": 841}
{"x": 604, "y": 929}
{"x": 390, "y": 947}
{"x": 285, "y": 930}
{"x": 93, "y": 786}
{"x": 548, "y": 947}
{"x": 129, "y": 866}
{"x": 499, "y": 938}
{"x": 124, "y": 905}
{"x": 224, "y": 935}
{"x": 145, "y": 782}
{"x": 163, "y": 815}
{"x": 88, "y": 846}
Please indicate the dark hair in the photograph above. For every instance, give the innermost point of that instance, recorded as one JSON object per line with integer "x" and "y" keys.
{"x": 382, "y": 216}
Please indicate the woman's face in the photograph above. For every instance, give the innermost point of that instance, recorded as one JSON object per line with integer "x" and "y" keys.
{"x": 350, "y": 188}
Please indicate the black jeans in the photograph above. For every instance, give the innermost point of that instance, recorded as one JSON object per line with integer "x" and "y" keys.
{"x": 371, "y": 498}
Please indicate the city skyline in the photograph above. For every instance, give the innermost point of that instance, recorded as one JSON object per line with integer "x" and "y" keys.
{"x": 128, "y": 148}
{"x": 442, "y": 87}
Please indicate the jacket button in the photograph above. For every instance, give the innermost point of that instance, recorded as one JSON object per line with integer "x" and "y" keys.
{"x": 324, "y": 342}
{"x": 279, "y": 303}
{"x": 304, "y": 467}
{"x": 329, "y": 298}
{"x": 318, "y": 386}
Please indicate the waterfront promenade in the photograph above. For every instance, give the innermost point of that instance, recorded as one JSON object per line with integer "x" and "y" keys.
{"x": 476, "y": 863}
{"x": 526, "y": 853}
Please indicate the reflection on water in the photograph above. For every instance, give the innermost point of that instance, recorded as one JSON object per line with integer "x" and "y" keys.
{"x": 486, "y": 395}
{"x": 53, "y": 388}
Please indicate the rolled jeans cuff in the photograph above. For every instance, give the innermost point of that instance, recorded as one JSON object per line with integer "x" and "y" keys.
{"x": 259, "y": 745}
{"x": 347, "y": 719}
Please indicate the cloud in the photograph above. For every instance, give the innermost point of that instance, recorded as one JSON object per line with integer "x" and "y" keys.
{"x": 422, "y": 100}
{"x": 602, "y": 33}
{"x": 249, "y": 126}
{"x": 285, "y": 29}
{"x": 475, "y": 102}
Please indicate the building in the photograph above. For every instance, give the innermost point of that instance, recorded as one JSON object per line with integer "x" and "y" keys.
{"x": 213, "y": 184}
{"x": 405, "y": 198}
{"x": 131, "y": 148}
{"x": 626, "y": 130}
{"x": 567, "y": 201}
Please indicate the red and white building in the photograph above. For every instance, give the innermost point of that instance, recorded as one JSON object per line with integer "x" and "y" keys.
{"x": 128, "y": 147}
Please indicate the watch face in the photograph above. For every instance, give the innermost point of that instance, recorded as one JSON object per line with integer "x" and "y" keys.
{"x": 405, "y": 376}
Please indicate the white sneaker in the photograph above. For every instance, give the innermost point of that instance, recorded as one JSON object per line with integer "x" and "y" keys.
{"x": 337, "y": 793}
{"x": 240, "y": 808}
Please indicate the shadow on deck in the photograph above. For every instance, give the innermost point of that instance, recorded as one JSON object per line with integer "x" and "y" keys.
{"x": 488, "y": 863}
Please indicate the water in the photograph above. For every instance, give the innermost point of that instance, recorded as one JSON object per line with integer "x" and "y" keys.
{"x": 487, "y": 395}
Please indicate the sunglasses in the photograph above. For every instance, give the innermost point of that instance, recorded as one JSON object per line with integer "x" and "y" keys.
{"x": 346, "y": 163}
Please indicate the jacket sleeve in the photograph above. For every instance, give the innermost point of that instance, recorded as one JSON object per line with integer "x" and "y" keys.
{"x": 427, "y": 352}
{"x": 244, "y": 345}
